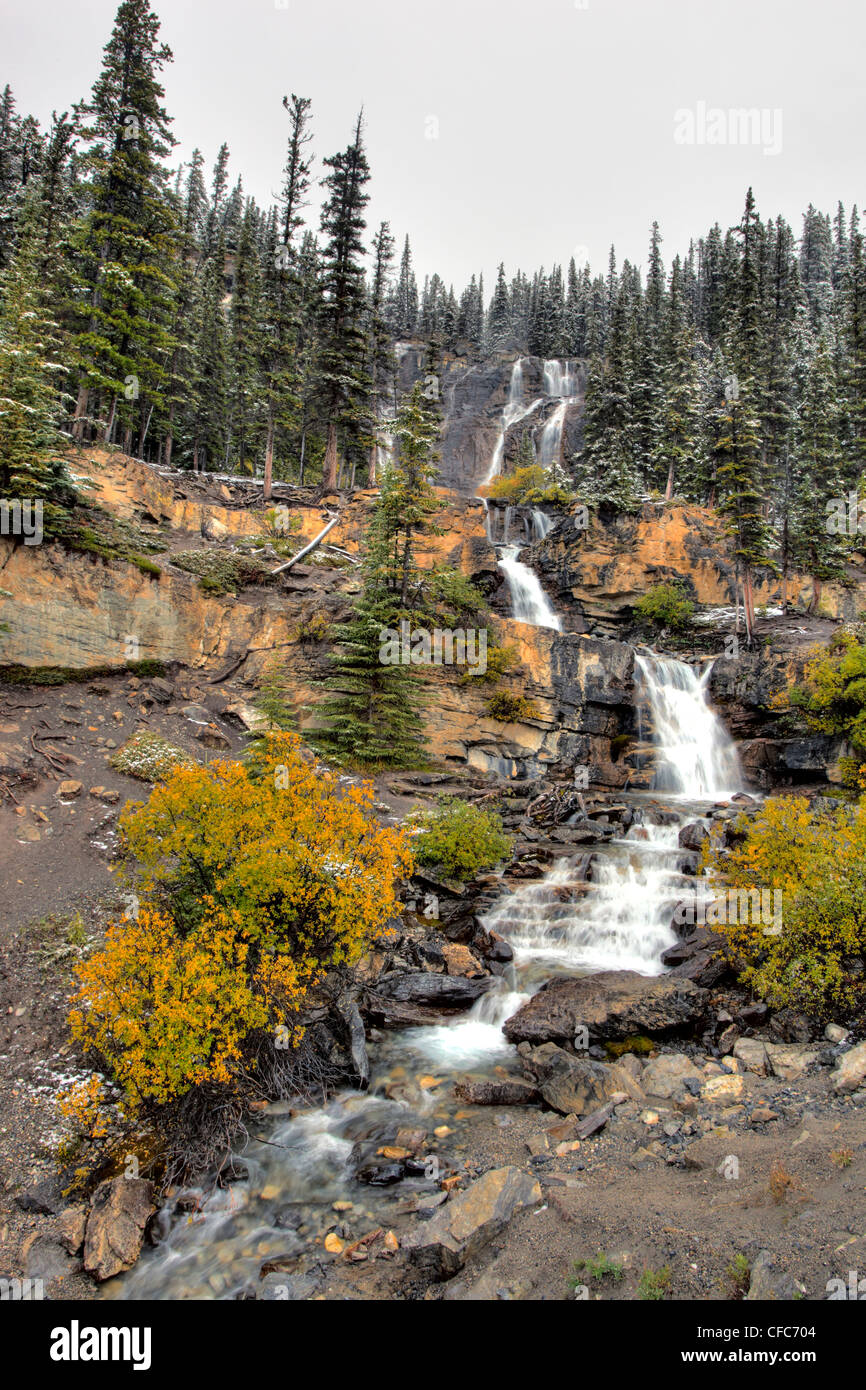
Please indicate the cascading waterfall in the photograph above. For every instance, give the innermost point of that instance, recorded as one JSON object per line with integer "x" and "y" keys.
{"x": 695, "y": 755}
{"x": 559, "y": 381}
{"x": 514, "y": 412}
{"x": 621, "y": 920}
{"x": 529, "y": 602}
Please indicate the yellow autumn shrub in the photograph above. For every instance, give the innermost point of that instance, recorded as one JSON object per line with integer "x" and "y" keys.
{"x": 254, "y": 880}
{"x": 813, "y": 958}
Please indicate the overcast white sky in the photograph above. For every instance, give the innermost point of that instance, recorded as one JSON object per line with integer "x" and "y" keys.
{"x": 555, "y": 118}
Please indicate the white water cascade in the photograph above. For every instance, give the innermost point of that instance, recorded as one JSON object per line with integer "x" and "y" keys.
{"x": 529, "y": 602}
{"x": 695, "y": 755}
{"x": 514, "y": 412}
{"x": 621, "y": 918}
{"x": 559, "y": 381}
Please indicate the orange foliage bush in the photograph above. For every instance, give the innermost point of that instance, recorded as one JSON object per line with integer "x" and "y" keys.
{"x": 256, "y": 879}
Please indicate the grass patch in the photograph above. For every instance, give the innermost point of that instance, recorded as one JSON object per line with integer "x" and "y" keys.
{"x": 76, "y": 675}
{"x": 654, "y": 1285}
{"x": 642, "y": 1046}
{"x": 221, "y": 572}
{"x": 738, "y": 1277}
{"x": 596, "y": 1269}
{"x": 507, "y": 708}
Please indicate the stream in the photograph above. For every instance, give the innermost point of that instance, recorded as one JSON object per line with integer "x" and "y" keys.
{"x": 608, "y": 908}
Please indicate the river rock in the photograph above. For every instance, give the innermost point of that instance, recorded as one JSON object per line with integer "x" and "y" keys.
{"x": 699, "y": 958}
{"x": 665, "y": 1076}
{"x": 356, "y": 1036}
{"x": 441, "y": 991}
{"x": 850, "y": 1070}
{"x": 613, "y": 1005}
{"x": 790, "y": 1061}
{"x": 119, "y": 1213}
{"x": 753, "y": 1055}
{"x": 459, "y": 960}
{"x": 768, "y": 1283}
{"x": 572, "y": 1085}
{"x": 497, "y": 1092}
{"x": 693, "y": 835}
{"x": 468, "y": 1221}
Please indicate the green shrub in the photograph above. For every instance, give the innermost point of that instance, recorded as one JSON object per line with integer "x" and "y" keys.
{"x": 666, "y": 606}
{"x": 833, "y": 694}
{"x": 453, "y": 596}
{"x": 508, "y": 708}
{"x": 738, "y": 1276}
{"x": 315, "y": 628}
{"x": 460, "y": 838}
{"x": 149, "y": 757}
{"x": 596, "y": 1269}
{"x": 500, "y": 662}
{"x": 529, "y": 486}
{"x": 220, "y": 571}
{"x": 817, "y": 861}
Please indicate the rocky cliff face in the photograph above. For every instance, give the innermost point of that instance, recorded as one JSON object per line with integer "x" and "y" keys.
{"x": 599, "y": 574}
{"x": 76, "y": 611}
{"x": 473, "y": 398}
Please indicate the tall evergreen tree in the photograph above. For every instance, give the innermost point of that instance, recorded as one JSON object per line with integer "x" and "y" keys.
{"x": 343, "y": 353}
{"x": 126, "y": 244}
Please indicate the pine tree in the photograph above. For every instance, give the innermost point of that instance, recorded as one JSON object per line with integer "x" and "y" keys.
{"x": 343, "y": 379}
{"x": 32, "y": 468}
{"x": 499, "y": 318}
{"x": 818, "y": 472}
{"x": 280, "y": 373}
{"x": 126, "y": 243}
{"x": 372, "y": 717}
{"x": 738, "y": 468}
{"x": 382, "y": 360}
{"x": 680, "y": 437}
{"x": 404, "y": 314}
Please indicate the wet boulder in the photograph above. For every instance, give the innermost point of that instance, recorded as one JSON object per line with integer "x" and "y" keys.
{"x": 693, "y": 836}
{"x": 699, "y": 958}
{"x": 510, "y": 1092}
{"x": 612, "y": 1005}
{"x": 438, "y": 991}
{"x": 572, "y": 1085}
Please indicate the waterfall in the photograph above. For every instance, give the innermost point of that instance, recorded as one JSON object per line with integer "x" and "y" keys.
{"x": 541, "y": 524}
{"x": 559, "y": 381}
{"x": 529, "y": 602}
{"x": 551, "y": 438}
{"x": 514, "y": 412}
{"x": 695, "y": 755}
{"x": 621, "y": 921}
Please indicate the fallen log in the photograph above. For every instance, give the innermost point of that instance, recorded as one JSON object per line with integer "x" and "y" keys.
{"x": 281, "y": 569}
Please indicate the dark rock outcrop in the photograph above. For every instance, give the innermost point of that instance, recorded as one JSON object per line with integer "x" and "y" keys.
{"x": 613, "y": 1005}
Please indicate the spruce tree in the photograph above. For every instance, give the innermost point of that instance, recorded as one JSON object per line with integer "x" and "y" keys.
{"x": 126, "y": 244}
{"x": 344, "y": 383}
{"x": 32, "y": 466}
{"x": 382, "y": 360}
